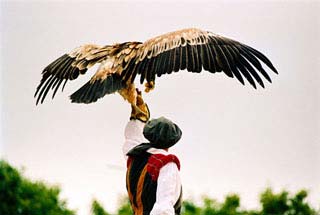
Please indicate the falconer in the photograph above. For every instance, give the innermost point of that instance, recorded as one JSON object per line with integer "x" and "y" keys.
{"x": 153, "y": 181}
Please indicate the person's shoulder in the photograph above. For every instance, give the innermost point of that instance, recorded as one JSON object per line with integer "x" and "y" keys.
{"x": 157, "y": 161}
{"x": 139, "y": 150}
{"x": 162, "y": 156}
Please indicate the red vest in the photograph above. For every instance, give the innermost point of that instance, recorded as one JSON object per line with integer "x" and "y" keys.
{"x": 141, "y": 180}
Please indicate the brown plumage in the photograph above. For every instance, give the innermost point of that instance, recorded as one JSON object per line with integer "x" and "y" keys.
{"x": 190, "y": 49}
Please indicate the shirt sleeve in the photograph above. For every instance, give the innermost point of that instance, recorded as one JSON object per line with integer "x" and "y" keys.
{"x": 168, "y": 190}
{"x": 133, "y": 135}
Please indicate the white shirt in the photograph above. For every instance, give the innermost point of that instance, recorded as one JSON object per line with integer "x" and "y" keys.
{"x": 169, "y": 183}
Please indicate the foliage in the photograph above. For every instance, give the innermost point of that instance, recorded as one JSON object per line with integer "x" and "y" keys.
{"x": 272, "y": 204}
{"x": 125, "y": 207}
{"x": 97, "y": 209}
{"x": 209, "y": 206}
{"x": 18, "y": 195}
{"x": 282, "y": 204}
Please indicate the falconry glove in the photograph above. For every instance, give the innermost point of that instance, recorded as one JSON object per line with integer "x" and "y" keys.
{"x": 140, "y": 111}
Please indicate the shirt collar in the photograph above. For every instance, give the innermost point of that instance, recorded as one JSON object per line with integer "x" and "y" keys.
{"x": 157, "y": 151}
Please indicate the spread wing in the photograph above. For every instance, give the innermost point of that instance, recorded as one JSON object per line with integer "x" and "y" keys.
{"x": 194, "y": 50}
{"x": 107, "y": 79}
{"x": 69, "y": 67}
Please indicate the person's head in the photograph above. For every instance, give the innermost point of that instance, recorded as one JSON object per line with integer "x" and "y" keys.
{"x": 162, "y": 133}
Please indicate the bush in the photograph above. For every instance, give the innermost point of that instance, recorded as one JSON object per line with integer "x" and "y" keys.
{"x": 272, "y": 204}
{"x": 18, "y": 195}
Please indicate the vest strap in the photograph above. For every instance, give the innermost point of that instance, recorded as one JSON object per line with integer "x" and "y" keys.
{"x": 157, "y": 161}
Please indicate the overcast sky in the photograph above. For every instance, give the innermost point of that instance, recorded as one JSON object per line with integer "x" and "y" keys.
{"x": 235, "y": 139}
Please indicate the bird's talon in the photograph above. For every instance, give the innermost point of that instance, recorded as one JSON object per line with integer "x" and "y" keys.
{"x": 149, "y": 86}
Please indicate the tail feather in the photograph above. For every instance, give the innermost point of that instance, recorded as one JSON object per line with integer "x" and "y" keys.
{"x": 91, "y": 92}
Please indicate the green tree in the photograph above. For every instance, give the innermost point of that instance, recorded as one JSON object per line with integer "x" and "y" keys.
{"x": 210, "y": 206}
{"x": 283, "y": 204}
{"x": 231, "y": 205}
{"x": 298, "y": 206}
{"x": 97, "y": 208}
{"x": 190, "y": 208}
{"x": 125, "y": 207}
{"x": 275, "y": 204}
{"x": 272, "y": 204}
{"x": 19, "y": 195}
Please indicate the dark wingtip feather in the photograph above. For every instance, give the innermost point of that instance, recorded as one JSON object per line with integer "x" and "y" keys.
{"x": 43, "y": 90}
{"x": 87, "y": 95}
{"x": 255, "y": 62}
{"x": 251, "y": 70}
{"x": 50, "y": 76}
{"x": 262, "y": 57}
{"x": 247, "y": 75}
{"x": 275, "y": 70}
{"x": 238, "y": 75}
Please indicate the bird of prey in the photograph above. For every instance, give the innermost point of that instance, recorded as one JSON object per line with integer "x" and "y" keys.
{"x": 191, "y": 49}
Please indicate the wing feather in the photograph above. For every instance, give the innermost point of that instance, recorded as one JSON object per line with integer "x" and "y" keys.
{"x": 197, "y": 51}
{"x": 42, "y": 93}
{"x": 209, "y": 59}
{"x": 214, "y": 66}
{"x": 150, "y": 70}
{"x": 195, "y": 61}
{"x": 161, "y": 62}
{"x": 138, "y": 68}
{"x": 143, "y": 73}
{"x": 177, "y": 54}
{"x": 251, "y": 71}
{"x": 157, "y": 68}
{"x": 183, "y": 58}
{"x": 59, "y": 81}
{"x": 255, "y": 62}
{"x": 64, "y": 84}
{"x": 262, "y": 57}
{"x": 164, "y": 64}
{"x": 130, "y": 67}
{"x": 190, "y": 66}
{"x": 171, "y": 61}
{"x": 194, "y": 50}
{"x": 247, "y": 75}
{"x": 223, "y": 61}
{"x": 204, "y": 57}
{"x": 69, "y": 67}
{"x": 232, "y": 51}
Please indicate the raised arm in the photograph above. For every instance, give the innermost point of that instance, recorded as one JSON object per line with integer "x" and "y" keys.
{"x": 134, "y": 130}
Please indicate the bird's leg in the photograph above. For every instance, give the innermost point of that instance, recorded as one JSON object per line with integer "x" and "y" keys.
{"x": 129, "y": 94}
{"x": 149, "y": 86}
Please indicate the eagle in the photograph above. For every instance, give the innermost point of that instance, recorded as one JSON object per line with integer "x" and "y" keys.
{"x": 189, "y": 49}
